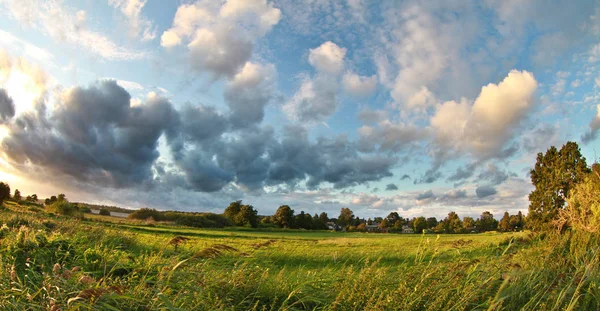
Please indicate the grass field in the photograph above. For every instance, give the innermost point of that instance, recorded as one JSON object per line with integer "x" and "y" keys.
{"x": 102, "y": 262}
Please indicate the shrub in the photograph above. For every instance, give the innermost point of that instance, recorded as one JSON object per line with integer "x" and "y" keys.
{"x": 4, "y": 192}
{"x": 104, "y": 212}
{"x": 63, "y": 208}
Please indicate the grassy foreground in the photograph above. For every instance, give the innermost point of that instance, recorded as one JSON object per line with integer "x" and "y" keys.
{"x": 105, "y": 263}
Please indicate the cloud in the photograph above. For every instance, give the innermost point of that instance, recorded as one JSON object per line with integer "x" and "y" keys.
{"x": 456, "y": 194}
{"x": 327, "y": 58}
{"x": 594, "y": 126}
{"x": 389, "y": 136}
{"x": 220, "y": 39}
{"x": 359, "y": 85}
{"x": 485, "y": 191}
{"x": 404, "y": 177}
{"x": 486, "y": 126}
{"x": 93, "y": 135}
{"x": 365, "y": 199}
{"x": 138, "y": 25}
{"x": 370, "y": 117}
{"x": 249, "y": 92}
{"x": 7, "y": 107}
{"x": 494, "y": 175}
{"x": 427, "y": 195}
{"x": 391, "y": 187}
{"x": 314, "y": 101}
{"x": 65, "y": 25}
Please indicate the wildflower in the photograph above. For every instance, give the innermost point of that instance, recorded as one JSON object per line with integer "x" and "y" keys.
{"x": 86, "y": 280}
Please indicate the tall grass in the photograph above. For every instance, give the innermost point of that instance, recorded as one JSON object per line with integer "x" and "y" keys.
{"x": 51, "y": 263}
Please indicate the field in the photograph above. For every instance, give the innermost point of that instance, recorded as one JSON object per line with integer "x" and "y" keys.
{"x": 101, "y": 262}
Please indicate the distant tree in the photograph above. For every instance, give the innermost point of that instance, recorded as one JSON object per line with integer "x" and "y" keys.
{"x": 284, "y": 217}
{"x": 4, "y": 192}
{"x": 431, "y": 222}
{"x": 419, "y": 224}
{"x": 247, "y": 217}
{"x": 392, "y": 218}
{"x": 318, "y": 223}
{"x": 486, "y": 222}
{"x": 553, "y": 176}
{"x": 454, "y": 224}
{"x": 517, "y": 222}
{"x": 34, "y": 197}
{"x": 303, "y": 221}
{"x": 17, "y": 195}
{"x": 323, "y": 217}
{"x": 361, "y": 227}
{"x": 50, "y": 200}
{"x": 346, "y": 217}
{"x": 232, "y": 210}
{"x": 468, "y": 223}
{"x": 62, "y": 197}
{"x": 384, "y": 224}
{"x": 504, "y": 223}
{"x": 104, "y": 212}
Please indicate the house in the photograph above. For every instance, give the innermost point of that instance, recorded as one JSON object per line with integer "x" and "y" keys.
{"x": 333, "y": 226}
{"x": 373, "y": 228}
{"x": 407, "y": 229}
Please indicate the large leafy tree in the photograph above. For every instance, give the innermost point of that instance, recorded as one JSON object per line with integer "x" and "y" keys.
{"x": 346, "y": 217}
{"x": 4, "y": 192}
{"x": 504, "y": 224}
{"x": 555, "y": 173}
{"x": 241, "y": 215}
{"x": 486, "y": 222}
{"x": 284, "y": 217}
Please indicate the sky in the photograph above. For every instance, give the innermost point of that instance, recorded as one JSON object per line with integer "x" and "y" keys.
{"x": 419, "y": 107}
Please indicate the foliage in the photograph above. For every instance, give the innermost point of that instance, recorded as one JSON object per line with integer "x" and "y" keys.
{"x": 241, "y": 215}
{"x": 284, "y": 217}
{"x": 583, "y": 208}
{"x": 198, "y": 220}
{"x": 4, "y": 192}
{"x": 17, "y": 195}
{"x": 346, "y": 217}
{"x": 63, "y": 208}
{"x": 104, "y": 212}
{"x": 553, "y": 176}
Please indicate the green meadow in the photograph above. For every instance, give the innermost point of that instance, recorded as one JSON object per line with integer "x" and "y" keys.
{"x": 52, "y": 262}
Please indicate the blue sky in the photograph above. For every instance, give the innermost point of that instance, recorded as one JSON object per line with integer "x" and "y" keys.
{"x": 420, "y": 108}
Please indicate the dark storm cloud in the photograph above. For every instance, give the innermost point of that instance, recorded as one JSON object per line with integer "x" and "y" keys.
{"x": 485, "y": 191}
{"x": 94, "y": 136}
{"x": 7, "y": 107}
{"x": 97, "y": 137}
{"x": 390, "y": 187}
{"x": 430, "y": 176}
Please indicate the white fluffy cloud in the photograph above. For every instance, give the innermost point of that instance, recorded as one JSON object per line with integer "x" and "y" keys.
{"x": 359, "y": 85}
{"x": 485, "y": 126}
{"x": 139, "y": 25}
{"x": 314, "y": 101}
{"x": 220, "y": 38}
{"x": 328, "y": 58}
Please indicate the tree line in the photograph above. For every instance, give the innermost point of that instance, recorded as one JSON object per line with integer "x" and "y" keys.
{"x": 566, "y": 195}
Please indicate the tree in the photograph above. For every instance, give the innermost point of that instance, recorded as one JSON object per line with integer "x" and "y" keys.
{"x": 362, "y": 227}
{"x": 487, "y": 222}
{"x": 431, "y": 222}
{"x": 4, "y": 192}
{"x": 583, "y": 208}
{"x": 284, "y": 217}
{"x": 323, "y": 217}
{"x": 468, "y": 224}
{"x": 62, "y": 197}
{"x": 17, "y": 195}
{"x": 553, "y": 176}
{"x": 346, "y": 217}
{"x": 420, "y": 223}
{"x": 392, "y": 218}
{"x": 303, "y": 221}
{"x": 247, "y": 217}
{"x": 504, "y": 224}
{"x": 232, "y": 210}
{"x": 104, "y": 212}
{"x": 454, "y": 224}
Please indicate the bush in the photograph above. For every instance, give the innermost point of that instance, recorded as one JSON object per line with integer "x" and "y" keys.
{"x": 104, "y": 212}
{"x": 63, "y": 208}
{"x": 84, "y": 209}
